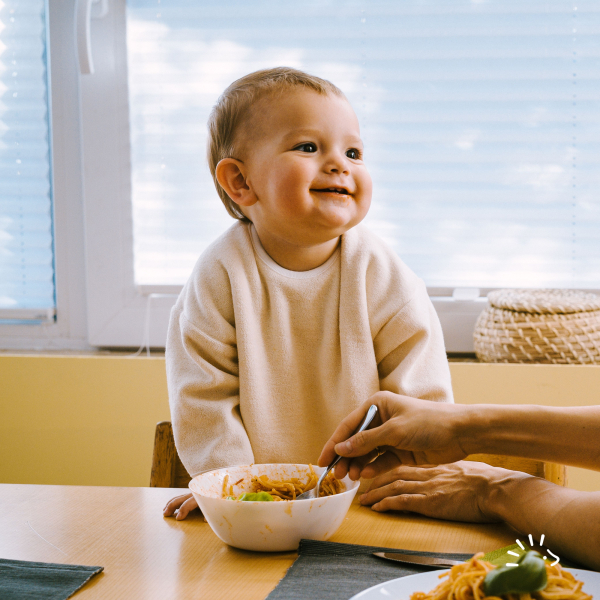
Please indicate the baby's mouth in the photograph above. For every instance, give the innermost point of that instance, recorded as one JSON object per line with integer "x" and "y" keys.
{"x": 333, "y": 190}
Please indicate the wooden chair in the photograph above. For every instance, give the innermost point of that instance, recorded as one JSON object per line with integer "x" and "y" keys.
{"x": 168, "y": 470}
{"x": 551, "y": 471}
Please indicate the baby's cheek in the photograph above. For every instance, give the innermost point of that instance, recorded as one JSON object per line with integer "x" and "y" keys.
{"x": 289, "y": 181}
{"x": 366, "y": 186}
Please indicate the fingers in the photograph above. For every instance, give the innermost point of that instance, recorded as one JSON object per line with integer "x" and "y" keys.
{"x": 404, "y": 473}
{"x": 353, "y": 466}
{"x": 394, "y": 484}
{"x": 357, "y": 465}
{"x": 386, "y": 462}
{"x": 174, "y": 503}
{"x": 364, "y": 442}
{"x": 453, "y": 492}
{"x": 328, "y": 454}
{"x": 391, "y": 459}
{"x": 368, "y": 466}
{"x": 184, "y": 510}
{"x": 407, "y": 502}
{"x": 341, "y": 469}
{"x": 180, "y": 506}
{"x": 344, "y": 430}
{"x": 397, "y": 487}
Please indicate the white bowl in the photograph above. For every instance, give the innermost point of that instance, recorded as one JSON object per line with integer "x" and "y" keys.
{"x": 268, "y": 526}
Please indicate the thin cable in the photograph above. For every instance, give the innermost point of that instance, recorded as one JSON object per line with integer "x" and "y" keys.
{"x": 146, "y": 338}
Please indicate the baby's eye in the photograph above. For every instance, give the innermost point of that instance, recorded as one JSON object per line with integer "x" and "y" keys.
{"x": 353, "y": 153}
{"x": 308, "y": 147}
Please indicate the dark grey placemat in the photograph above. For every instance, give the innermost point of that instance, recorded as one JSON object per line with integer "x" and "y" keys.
{"x": 24, "y": 580}
{"x": 332, "y": 571}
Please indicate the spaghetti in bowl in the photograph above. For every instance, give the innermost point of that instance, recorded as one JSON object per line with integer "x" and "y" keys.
{"x": 268, "y": 526}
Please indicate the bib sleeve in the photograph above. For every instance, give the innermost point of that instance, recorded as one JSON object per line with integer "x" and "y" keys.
{"x": 411, "y": 358}
{"x": 203, "y": 376}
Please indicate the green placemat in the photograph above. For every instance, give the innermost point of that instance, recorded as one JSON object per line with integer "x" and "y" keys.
{"x": 332, "y": 571}
{"x": 24, "y": 580}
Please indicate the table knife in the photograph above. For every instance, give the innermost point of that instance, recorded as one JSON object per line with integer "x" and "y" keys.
{"x": 417, "y": 559}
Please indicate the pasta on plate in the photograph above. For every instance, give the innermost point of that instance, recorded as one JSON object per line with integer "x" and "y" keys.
{"x": 287, "y": 489}
{"x": 465, "y": 582}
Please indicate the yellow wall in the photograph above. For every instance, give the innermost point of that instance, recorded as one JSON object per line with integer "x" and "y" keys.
{"x": 89, "y": 420}
{"x": 79, "y": 420}
{"x": 552, "y": 385}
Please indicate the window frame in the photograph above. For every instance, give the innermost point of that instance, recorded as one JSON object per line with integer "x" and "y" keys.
{"x": 68, "y": 329}
{"x": 116, "y": 306}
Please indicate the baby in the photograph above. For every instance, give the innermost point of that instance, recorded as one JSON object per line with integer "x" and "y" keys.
{"x": 295, "y": 315}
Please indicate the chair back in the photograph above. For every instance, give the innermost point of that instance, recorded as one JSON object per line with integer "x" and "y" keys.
{"x": 551, "y": 471}
{"x": 167, "y": 468}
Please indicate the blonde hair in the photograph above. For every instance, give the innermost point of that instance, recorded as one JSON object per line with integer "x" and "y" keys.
{"x": 232, "y": 110}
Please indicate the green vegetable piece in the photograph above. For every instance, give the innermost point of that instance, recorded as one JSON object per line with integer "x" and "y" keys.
{"x": 256, "y": 497}
{"x": 528, "y": 576}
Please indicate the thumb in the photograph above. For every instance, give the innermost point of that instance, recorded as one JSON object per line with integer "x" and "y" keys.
{"x": 359, "y": 444}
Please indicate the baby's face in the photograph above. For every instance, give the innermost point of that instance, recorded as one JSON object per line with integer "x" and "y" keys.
{"x": 305, "y": 165}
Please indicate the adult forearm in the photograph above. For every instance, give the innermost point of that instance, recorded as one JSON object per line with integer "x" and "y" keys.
{"x": 562, "y": 435}
{"x": 569, "y": 519}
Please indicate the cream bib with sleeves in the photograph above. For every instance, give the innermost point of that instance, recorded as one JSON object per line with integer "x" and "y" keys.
{"x": 263, "y": 363}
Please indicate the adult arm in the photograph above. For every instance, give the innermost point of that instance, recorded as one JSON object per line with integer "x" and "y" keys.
{"x": 476, "y": 492}
{"x": 411, "y": 431}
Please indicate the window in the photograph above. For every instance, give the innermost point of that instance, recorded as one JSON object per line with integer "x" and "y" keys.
{"x": 481, "y": 122}
{"x": 26, "y": 244}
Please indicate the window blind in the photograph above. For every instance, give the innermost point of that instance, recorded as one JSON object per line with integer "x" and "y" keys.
{"x": 481, "y": 123}
{"x": 26, "y": 244}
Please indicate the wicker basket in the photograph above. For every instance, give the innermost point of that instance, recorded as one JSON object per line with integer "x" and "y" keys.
{"x": 539, "y": 326}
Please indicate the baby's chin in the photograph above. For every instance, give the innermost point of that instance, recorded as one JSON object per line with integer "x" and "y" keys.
{"x": 337, "y": 221}
{"x": 341, "y": 212}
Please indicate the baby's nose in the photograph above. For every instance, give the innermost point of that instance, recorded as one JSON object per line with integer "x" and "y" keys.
{"x": 337, "y": 164}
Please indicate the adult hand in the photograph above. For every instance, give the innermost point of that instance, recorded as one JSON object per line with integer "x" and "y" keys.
{"x": 405, "y": 431}
{"x": 180, "y": 506}
{"x": 457, "y": 492}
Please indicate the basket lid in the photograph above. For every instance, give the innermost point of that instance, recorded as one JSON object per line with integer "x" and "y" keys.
{"x": 545, "y": 301}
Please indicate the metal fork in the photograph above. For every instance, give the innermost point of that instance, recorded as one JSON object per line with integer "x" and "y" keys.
{"x": 314, "y": 493}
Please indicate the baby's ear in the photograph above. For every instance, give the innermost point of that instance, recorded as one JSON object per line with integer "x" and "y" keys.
{"x": 231, "y": 175}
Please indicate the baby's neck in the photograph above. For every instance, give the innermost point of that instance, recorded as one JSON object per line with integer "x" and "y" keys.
{"x": 296, "y": 257}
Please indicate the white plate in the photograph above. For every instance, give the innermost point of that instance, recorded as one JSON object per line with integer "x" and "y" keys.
{"x": 403, "y": 587}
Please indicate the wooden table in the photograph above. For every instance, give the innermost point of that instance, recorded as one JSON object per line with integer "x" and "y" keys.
{"x": 147, "y": 556}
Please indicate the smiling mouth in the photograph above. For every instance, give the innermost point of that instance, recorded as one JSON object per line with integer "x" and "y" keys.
{"x": 334, "y": 190}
